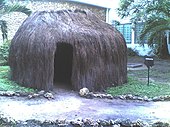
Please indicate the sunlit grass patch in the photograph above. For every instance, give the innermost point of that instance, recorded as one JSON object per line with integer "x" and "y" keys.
{"x": 141, "y": 88}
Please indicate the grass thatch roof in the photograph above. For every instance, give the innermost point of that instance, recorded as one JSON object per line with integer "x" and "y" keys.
{"x": 98, "y": 50}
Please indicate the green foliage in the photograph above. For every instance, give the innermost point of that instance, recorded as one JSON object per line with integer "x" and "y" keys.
{"x": 8, "y": 7}
{"x": 4, "y": 31}
{"x": 115, "y": 23}
{"x": 8, "y": 85}
{"x": 132, "y": 52}
{"x": 158, "y": 21}
{"x": 156, "y": 25}
{"x": 156, "y": 16}
{"x": 4, "y": 52}
{"x": 136, "y": 87}
{"x": 141, "y": 10}
{"x": 134, "y": 9}
{"x": 16, "y": 7}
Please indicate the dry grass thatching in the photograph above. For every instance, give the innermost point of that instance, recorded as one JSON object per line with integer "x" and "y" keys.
{"x": 98, "y": 51}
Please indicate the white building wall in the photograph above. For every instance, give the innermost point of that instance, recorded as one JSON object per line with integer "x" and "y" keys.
{"x": 141, "y": 49}
{"x": 108, "y": 15}
{"x": 168, "y": 41}
{"x": 15, "y": 19}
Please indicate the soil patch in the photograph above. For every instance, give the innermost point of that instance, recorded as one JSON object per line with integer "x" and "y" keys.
{"x": 68, "y": 105}
{"x": 160, "y": 72}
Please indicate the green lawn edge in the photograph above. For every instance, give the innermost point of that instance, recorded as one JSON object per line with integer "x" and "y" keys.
{"x": 140, "y": 88}
{"x": 7, "y": 85}
{"x": 134, "y": 86}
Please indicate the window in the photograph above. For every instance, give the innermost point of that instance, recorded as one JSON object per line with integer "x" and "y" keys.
{"x": 125, "y": 29}
{"x": 138, "y": 29}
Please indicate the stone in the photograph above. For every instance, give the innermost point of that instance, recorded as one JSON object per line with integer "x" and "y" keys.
{"x": 10, "y": 93}
{"x": 99, "y": 96}
{"x": 145, "y": 98}
{"x": 41, "y": 92}
{"x": 84, "y": 91}
{"x": 156, "y": 99}
{"x": 166, "y": 98}
{"x": 63, "y": 125}
{"x": 160, "y": 124}
{"x": 118, "y": 125}
{"x": 23, "y": 94}
{"x": 140, "y": 99}
{"x": 135, "y": 97}
{"x": 140, "y": 123}
{"x": 111, "y": 122}
{"x": 30, "y": 96}
{"x": 109, "y": 96}
{"x": 116, "y": 97}
{"x": 129, "y": 96}
{"x": 35, "y": 95}
{"x": 103, "y": 96}
{"x": 87, "y": 121}
{"x": 17, "y": 94}
{"x": 47, "y": 121}
{"x": 49, "y": 95}
{"x": 94, "y": 124}
{"x": 77, "y": 123}
{"x": 89, "y": 96}
{"x": 149, "y": 99}
{"x": 122, "y": 97}
{"x": 24, "y": 123}
{"x": 103, "y": 122}
{"x": 1, "y": 93}
{"x": 61, "y": 121}
{"x": 126, "y": 123}
{"x": 116, "y": 122}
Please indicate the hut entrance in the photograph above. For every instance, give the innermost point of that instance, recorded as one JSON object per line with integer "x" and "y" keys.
{"x": 63, "y": 65}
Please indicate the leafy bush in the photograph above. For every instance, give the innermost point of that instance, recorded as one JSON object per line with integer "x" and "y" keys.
{"x": 4, "y": 52}
{"x": 132, "y": 52}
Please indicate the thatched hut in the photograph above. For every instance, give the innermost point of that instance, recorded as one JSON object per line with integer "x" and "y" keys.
{"x": 73, "y": 47}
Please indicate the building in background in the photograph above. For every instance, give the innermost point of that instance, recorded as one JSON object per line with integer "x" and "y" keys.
{"x": 105, "y": 10}
{"x": 131, "y": 32}
{"x": 15, "y": 19}
{"x": 107, "y": 5}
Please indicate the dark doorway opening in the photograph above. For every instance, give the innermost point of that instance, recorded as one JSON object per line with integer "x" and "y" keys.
{"x": 63, "y": 65}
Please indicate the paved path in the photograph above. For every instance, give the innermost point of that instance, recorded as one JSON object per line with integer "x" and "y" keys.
{"x": 68, "y": 105}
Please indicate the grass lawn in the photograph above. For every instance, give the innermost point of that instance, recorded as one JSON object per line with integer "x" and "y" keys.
{"x": 137, "y": 80}
{"x": 7, "y": 85}
{"x": 137, "y": 87}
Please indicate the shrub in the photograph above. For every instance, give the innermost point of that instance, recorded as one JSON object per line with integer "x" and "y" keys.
{"x": 4, "y": 52}
{"x": 132, "y": 52}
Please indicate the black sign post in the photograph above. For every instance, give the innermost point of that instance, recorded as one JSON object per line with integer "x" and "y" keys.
{"x": 149, "y": 62}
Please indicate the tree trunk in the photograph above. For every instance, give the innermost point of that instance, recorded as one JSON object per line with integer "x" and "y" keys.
{"x": 163, "y": 52}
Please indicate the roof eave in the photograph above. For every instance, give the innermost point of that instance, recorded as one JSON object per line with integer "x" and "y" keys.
{"x": 91, "y": 3}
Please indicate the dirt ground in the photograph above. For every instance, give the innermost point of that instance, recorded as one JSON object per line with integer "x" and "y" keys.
{"x": 70, "y": 106}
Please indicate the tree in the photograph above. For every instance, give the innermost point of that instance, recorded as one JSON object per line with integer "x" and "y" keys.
{"x": 115, "y": 23}
{"x": 156, "y": 17}
{"x": 8, "y": 7}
